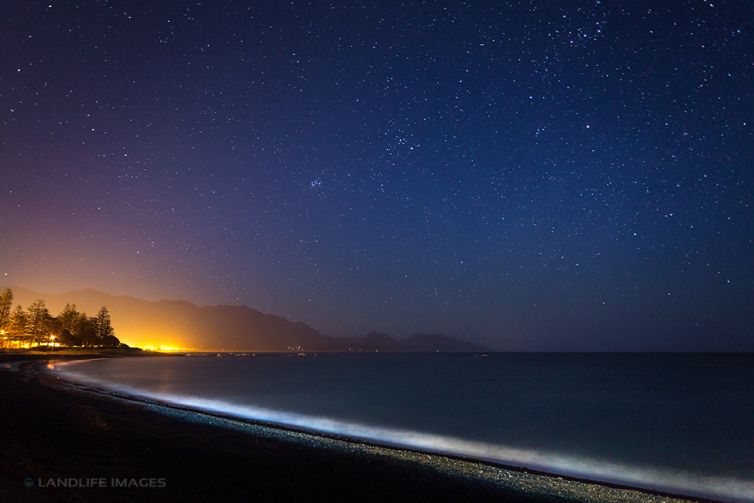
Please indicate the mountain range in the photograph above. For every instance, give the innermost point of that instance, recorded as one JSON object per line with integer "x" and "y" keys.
{"x": 182, "y": 324}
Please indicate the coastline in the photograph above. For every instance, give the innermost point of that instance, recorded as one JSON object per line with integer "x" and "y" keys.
{"x": 241, "y": 458}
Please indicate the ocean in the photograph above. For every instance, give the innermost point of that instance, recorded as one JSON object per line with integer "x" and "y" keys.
{"x": 681, "y": 423}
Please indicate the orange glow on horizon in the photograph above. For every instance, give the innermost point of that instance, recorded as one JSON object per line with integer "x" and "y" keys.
{"x": 164, "y": 348}
{"x": 164, "y": 342}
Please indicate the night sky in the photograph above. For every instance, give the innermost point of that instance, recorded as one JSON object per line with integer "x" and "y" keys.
{"x": 527, "y": 175}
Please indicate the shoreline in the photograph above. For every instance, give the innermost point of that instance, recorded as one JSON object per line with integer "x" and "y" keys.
{"x": 445, "y": 461}
{"x": 488, "y": 479}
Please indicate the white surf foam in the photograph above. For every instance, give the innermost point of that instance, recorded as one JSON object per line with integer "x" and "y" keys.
{"x": 647, "y": 477}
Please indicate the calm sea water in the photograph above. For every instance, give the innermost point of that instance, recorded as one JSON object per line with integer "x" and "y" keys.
{"x": 681, "y": 423}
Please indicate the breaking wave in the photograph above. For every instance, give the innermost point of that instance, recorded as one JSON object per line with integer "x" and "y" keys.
{"x": 646, "y": 477}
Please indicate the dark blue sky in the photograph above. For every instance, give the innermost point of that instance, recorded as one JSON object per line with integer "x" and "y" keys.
{"x": 528, "y": 175}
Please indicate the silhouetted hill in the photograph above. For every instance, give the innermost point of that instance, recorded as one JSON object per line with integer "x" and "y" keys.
{"x": 179, "y": 323}
{"x": 438, "y": 342}
{"x": 373, "y": 341}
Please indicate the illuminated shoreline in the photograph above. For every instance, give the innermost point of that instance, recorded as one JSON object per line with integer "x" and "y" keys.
{"x": 548, "y": 463}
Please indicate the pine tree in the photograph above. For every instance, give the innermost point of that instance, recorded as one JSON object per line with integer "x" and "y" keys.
{"x": 6, "y": 304}
{"x": 103, "y": 327}
{"x": 37, "y": 321}
{"x": 17, "y": 326}
{"x": 85, "y": 330}
{"x": 68, "y": 317}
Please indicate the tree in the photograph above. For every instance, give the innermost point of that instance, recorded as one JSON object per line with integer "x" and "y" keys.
{"x": 111, "y": 342}
{"x": 68, "y": 339}
{"x": 102, "y": 325}
{"x": 6, "y": 304}
{"x": 68, "y": 317}
{"x": 84, "y": 330}
{"x": 53, "y": 329}
{"x": 17, "y": 325}
{"x": 37, "y": 322}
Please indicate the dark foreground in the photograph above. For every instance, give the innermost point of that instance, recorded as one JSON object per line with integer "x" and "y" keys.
{"x": 49, "y": 431}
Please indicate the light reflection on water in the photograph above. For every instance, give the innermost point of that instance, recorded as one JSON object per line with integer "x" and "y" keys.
{"x": 680, "y": 423}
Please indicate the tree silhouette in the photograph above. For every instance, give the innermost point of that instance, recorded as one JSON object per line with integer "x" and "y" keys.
{"x": 35, "y": 326}
{"x": 67, "y": 318}
{"x": 6, "y": 304}
{"x": 37, "y": 322}
{"x": 18, "y": 323}
{"x": 102, "y": 326}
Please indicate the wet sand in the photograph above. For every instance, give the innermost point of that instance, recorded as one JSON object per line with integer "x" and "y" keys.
{"x": 52, "y": 430}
